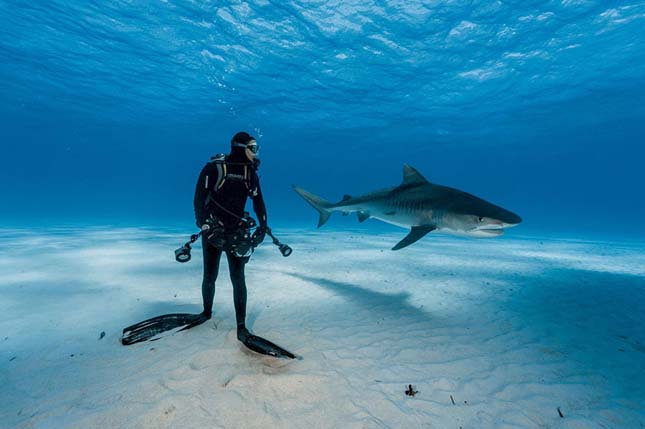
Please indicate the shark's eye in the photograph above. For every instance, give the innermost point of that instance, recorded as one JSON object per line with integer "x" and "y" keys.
{"x": 481, "y": 219}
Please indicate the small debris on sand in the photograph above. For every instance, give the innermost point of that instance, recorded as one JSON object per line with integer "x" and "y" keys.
{"x": 410, "y": 391}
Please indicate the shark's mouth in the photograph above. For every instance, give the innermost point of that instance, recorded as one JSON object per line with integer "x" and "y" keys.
{"x": 491, "y": 229}
{"x": 487, "y": 231}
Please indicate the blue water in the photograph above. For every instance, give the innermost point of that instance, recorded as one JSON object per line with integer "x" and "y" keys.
{"x": 108, "y": 110}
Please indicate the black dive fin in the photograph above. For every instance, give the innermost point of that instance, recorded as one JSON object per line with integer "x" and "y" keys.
{"x": 416, "y": 233}
{"x": 148, "y": 329}
{"x": 363, "y": 216}
{"x": 266, "y": 347}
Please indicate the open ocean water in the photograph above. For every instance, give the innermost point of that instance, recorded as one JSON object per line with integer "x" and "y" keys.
{"x": 109, "y": 111}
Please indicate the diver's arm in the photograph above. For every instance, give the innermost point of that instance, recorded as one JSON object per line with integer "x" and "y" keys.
{"x": 207, "y": 177}
{"x": 258, "y": 203}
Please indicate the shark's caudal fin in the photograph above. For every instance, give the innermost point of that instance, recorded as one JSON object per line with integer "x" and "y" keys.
{"x": 316, "y": 202}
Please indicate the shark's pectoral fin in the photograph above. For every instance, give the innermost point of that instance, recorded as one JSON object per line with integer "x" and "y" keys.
{"x": 363, "y": 216}
{"x": 416, "y": 233}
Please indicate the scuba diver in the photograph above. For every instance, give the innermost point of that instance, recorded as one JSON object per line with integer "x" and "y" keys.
{"x": 223, "y": 187}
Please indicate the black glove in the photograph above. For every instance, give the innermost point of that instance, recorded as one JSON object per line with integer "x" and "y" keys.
{"x": 258, "y": 235}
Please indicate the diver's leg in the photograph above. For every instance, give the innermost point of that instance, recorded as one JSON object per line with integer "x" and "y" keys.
{"x": 236, "y": 269}
{"x": 212, "y": 257}
{"x": 252, "y": 342}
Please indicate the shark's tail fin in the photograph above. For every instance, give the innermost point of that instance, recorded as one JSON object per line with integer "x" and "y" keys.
{"x": 317, "y": 203}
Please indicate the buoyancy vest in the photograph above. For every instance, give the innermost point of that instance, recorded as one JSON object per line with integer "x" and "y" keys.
{"x": 224, "y": 174}
{"x": 226, "y": 197}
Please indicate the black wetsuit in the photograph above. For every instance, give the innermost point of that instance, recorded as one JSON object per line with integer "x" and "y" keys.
{"x": 227, "y": 205}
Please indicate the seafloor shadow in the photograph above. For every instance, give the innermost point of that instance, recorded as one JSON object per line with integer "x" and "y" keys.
{"x": 579, "y": 307}
{"x": 377, "y": 302}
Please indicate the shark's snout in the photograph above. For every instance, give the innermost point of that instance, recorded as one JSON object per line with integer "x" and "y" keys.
{"x": 510, "y": 219}
{"x": 495, "y": 227}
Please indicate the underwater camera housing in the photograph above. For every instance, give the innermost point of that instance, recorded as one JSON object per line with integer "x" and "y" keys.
{"x": 237, "y": 240}
{"x": 240, "y": 242}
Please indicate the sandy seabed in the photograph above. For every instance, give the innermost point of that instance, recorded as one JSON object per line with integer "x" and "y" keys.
{"x": 506, "y": 332}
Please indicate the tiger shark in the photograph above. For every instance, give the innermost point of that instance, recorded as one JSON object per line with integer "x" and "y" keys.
{"x": 421, "y": 206}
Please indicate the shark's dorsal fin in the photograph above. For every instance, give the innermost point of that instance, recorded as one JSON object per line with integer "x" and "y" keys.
{"x": 411, "y": 176}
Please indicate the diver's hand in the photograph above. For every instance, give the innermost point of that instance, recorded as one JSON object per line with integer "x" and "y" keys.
{"x": 259, "y": 234}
